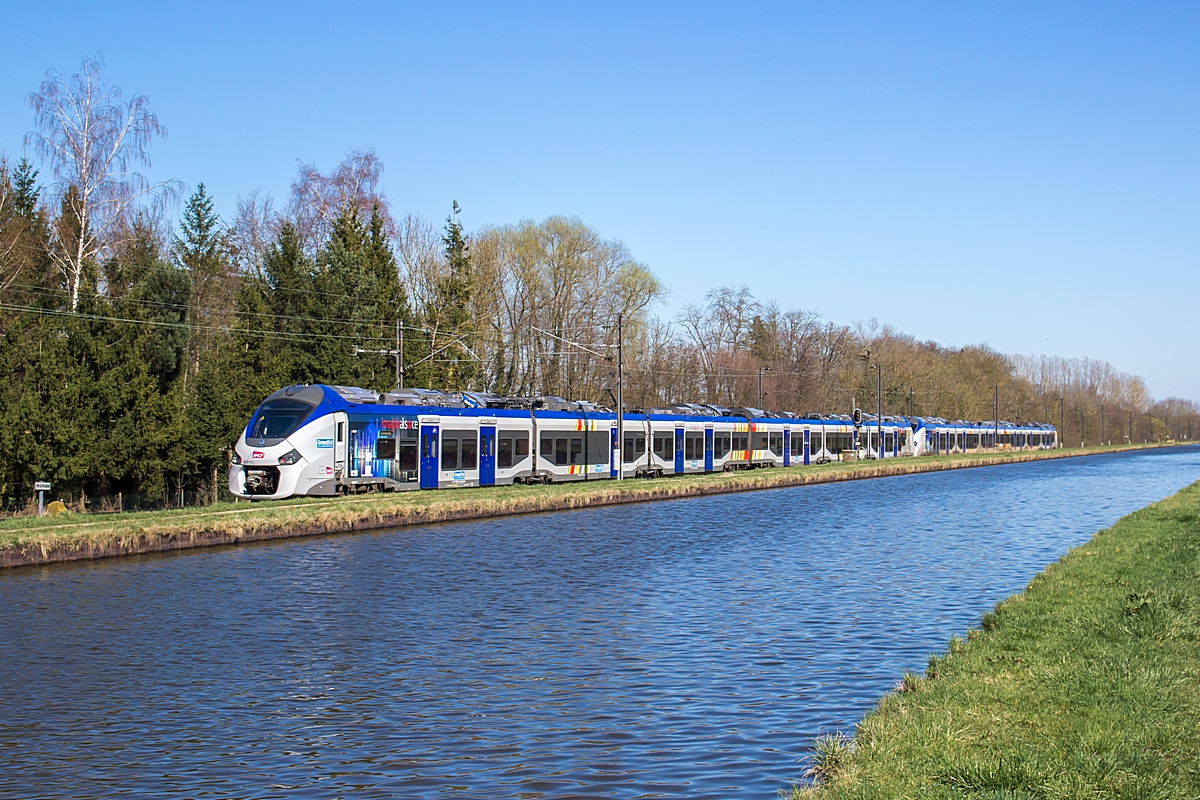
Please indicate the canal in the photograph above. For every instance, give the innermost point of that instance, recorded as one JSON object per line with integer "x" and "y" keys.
{"x": 690, "y": 647}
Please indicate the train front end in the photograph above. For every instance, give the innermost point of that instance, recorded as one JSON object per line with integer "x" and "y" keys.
{"x": 287, "y": 448}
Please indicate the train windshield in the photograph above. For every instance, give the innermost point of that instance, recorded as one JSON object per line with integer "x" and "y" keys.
{"x": 278, "y": 419}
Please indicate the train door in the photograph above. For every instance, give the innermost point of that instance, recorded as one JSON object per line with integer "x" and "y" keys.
{"x": 429, "y": 456}
{"x": 679, "y": 451}
{"x": 807, "y": 445}
{"x": 487, "y": 455}
{"x": 339, "y": 443}
{"x": 787, "y": 447}
{"x": 708, "y": 449}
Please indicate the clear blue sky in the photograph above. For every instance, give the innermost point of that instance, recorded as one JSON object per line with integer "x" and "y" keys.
{"x": 1021, "y": 175}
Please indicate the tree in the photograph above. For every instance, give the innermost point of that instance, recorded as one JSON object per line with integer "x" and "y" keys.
{"x": 94, "y": 143}
{"x": 201, "y": 248}
{"x": 22, "y": 227}
{"x": 449, "y": 316}
{"x": 318, "y": 199}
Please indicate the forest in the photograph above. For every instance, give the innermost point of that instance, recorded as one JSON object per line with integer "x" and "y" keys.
{"x": 140, "y": 329}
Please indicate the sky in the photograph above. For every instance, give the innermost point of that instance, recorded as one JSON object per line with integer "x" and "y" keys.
{"x": 1021, "y": 175}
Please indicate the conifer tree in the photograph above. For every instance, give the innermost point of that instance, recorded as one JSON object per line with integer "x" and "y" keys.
{"x": 201, "y": 249}
{"x": 392, "y": 303}
{"x": 456, "y": 367}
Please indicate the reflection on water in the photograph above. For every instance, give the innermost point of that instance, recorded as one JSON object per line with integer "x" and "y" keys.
{"x": 690, "y": 647}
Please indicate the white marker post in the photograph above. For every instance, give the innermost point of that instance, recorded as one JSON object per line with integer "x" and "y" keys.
{"x": 41, "y": 487}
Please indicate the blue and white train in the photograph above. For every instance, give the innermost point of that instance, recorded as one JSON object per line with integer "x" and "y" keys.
{"x": 327, "y": 440}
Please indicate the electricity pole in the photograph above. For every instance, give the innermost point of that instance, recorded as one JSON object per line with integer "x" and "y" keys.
{"x": 620, "y": 398}
{"x": 996, "y": 416}
{"x": 1102, "y": 424}
{"x": 399, "y": 356}
{"x": 879, "y": 405}
{"x": 761, "y": 368}
{"x": 1060, "y": 423}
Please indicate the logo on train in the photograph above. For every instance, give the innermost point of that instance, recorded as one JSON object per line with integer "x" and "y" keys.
{"x": 324, "y": 444}
{"x": 258, "y": 454}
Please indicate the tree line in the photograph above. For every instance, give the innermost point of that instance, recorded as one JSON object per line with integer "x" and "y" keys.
{"x": 136, "y": 346}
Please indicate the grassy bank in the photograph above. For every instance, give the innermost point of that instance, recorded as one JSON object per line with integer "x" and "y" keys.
{"x": 69, "y": 536}
{"x": 1085, "y": 685}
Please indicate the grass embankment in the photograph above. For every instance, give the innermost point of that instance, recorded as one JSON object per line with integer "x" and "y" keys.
{"x": 1085, "y": 685}
{"x": 79, "y": 536}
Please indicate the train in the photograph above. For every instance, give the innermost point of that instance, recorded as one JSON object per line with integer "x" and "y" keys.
{"x": 319, "y": 440}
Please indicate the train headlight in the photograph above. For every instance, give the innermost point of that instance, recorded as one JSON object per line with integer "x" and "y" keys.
{"x": 236, "y": 458}
{"x": 289, "y": 458}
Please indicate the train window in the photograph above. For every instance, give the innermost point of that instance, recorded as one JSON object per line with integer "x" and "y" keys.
{"x": 560, "y": 452}
{"x": 635, "y": 446}
{"x": 341, "y": 431}
{"x": 598, "y": 446}
{"x": 408, "y": 455}
{"x": 888, "y": 441}
{"x": 513, "y": 448}
{"x": 777, "y": 444}
{"x": 577, "y": 451}
{"x": 449, "y": 453}
{"x": 548, "y": 449}
{"x": 278, "y": 419}
{"x": 760, "y": 441}
{"x": 385, "y": 449}
{"x": 721, "y": 444}
{"x": 693, "y": 446}
{"x": 466, "y": 452}
{"x": 741, "y": 441}
{"x": 664, "y": 445}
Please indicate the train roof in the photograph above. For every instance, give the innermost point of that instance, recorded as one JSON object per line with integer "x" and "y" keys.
{"x": 344, "y": 398}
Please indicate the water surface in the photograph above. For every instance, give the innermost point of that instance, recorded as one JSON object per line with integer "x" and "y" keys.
{"x": 690, "y": 647}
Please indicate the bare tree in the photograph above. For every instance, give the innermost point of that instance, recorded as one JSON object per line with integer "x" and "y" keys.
{"x": 420, "y": 259}
{"x": 94, "y": 143}
{"x": 317, "y": 198}
{"x": 255, "y": 226}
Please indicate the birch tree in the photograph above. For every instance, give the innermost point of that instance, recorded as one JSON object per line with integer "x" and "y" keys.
{"x": 94, "y": 142}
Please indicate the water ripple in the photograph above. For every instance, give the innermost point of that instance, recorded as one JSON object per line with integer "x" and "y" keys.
{"x": 688, "y": 647}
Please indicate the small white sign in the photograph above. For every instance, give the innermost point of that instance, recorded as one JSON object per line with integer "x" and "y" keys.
{"x": 41, "y": 486}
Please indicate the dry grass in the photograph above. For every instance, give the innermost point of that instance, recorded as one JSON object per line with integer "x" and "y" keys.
{"x": 74, "y": 536}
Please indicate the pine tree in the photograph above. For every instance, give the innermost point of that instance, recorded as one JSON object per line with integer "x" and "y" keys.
{"x": 456, "y": 367}
{"x": 289, "y": 301}
{"x": 347, "y": 284}
{"x": 391, "y": 299}
{"x": 25, "y": 189}
{"x": 201, "y": 249}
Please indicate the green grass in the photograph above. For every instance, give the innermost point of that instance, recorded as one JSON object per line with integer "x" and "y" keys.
{"x": 84, "y": 534}
{"x": 1085, "y": 685}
